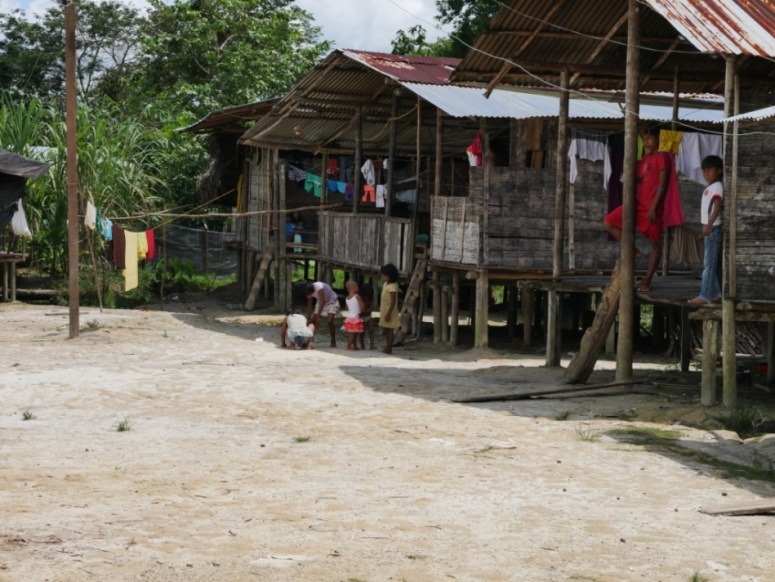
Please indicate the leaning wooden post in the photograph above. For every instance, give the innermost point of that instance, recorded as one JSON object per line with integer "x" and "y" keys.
{"x": 624, "y": 350}
{"x": 553, "y": 324}
{"x": 455, "y": 310}
{"x": 729, "y": 327}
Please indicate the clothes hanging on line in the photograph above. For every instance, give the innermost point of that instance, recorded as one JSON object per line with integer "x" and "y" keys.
{"x": 381, "y": 195}
{"x": 296, "y": 174}
{"x": 314, "y": 184}
{"x": 587, "y": 144}
{"x": 90, "y": 217}
{"x": 474, "y": 151}
{"x": 150, "y": 238}
{"x": 368, "y": 172}
{"x": 19, "y": 224}
{"x": 670, "y": 141}
{"x": 694, "y": 148}
{"x": 369, "y": 194}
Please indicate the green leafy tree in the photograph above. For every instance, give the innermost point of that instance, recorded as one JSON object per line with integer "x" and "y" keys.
{"x": 32, "y": 50}
{"x": 468, "y": 20}
{"x": 202, "y": 55}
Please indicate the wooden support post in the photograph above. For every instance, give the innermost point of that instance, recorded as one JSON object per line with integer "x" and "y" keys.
{"x": 357, "y": 176}
{"x": 436, "y": 306}
{"x": 554, "y": 323}
{"x": 770, "y": 353}
{"x": 624, "y": 353}
{"x": 709, "y": 358}
{"x": 593, "y": 341}
{"x": 417, "y": 172}
{"x": 528, "y": 306}
{"x": 389, "y": 194}
{"x": 439, "y": 153}
{"x": 610, "y": 340}
{"x": 729, "y": 327}
{"x": 686, "y": 340}
{"x": 482, "y": 309}
{"x": 445, "y": 313}
{"x": 455, "y": 311}
{"x": 511, "y": 312}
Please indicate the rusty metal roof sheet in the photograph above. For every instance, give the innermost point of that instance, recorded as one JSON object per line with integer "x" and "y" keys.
{"x": 530, "y": 42}
{"x": 723, "y": 26}
{"x": 407, "y": 69}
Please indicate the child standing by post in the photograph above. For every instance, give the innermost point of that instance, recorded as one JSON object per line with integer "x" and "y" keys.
{"x": 710, "y": 216}
{"x": 353, "y": 324}
{"x": 367, "y": 294}
{"x": 388, "y": 308}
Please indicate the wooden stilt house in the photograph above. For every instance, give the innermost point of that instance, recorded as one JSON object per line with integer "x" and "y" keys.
{"x": 678, "y": 46}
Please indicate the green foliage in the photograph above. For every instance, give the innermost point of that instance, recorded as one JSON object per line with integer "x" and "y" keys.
{"x": 179, "y": 276}
{"x": 414, "y": 42}
{"x": 32, "y": 55}
{"x": 201, "y": 55}
{"x": 468, "y": 19}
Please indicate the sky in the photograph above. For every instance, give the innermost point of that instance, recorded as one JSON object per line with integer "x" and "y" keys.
{"x": 354, "y": 24}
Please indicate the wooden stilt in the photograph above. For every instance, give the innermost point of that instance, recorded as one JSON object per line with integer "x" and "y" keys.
{"x": 686, "y": 340}
{"x": 455, "y": 311}
{"x": 528, "y": 305}
{"x": 445, "y": 313}
{"x": 511, "y": 313}
{"x": 436, "y": 306}
{"x": 709, "y": 358}
{"x": 770, "y": 353}
{"x": 482, "y": 309}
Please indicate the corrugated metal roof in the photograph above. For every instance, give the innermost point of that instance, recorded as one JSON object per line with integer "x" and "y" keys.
{"x": 536, "y": 40}
{"x": 407, "y": 69}
{"x": 738, "y": 27}
{"x": 459, "y": 101}
{"x": 757, "y": 115}
{"x": 231, "y": 119}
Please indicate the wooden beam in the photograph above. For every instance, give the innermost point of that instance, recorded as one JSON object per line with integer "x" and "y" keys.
{"x": 544, "y": 392}
{"x": 357, "y": 176}
{"x": 455, "y": 309}
{"x": 507, "y": 66}
{"x": 761, "y": 507}
{"x": 482, "y": 310}
{"x": 603, "y": 43}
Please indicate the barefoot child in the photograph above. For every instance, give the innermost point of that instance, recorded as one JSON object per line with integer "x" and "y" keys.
{"x": 295, "y": 332}
{"x": 367, "y": 294}
{"x": 353, "y": 324}
{"x": 322, "y": 302}
{"x": 388, "y": 308}
{"x": 710, "y": 216}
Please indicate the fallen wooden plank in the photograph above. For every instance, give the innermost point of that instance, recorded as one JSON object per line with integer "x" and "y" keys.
{"x": 542, "y": 392}
{"x": 752, "y": 508}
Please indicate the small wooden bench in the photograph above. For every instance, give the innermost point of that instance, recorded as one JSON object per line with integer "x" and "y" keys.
{"x": 9, "y": 260}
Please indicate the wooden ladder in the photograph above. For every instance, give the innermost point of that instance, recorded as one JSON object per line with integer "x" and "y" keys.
{"x": 412, "y": 297}
{"x": 266, "y": 258}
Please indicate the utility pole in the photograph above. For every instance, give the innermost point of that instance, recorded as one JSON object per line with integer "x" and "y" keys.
{"x": 72, "y": 167}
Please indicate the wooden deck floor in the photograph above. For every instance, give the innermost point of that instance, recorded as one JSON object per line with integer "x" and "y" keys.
{"x": 669, "y": 290}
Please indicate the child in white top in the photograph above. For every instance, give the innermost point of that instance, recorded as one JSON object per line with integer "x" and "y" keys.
{"x": 710, "y": 216}
{"x": 353, "y": 324}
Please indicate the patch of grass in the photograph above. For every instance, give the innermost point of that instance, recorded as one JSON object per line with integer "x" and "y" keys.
{"x": 741, "y": 419}
{"x": 27, "y": 415}
{"x": 587, "y": 432}
{"x": 646, "y": 435}
{"x": 665, "y": 441}
{"x": 93, "y": 324}
{"x": 697, "y": 577}
{"x": 123, "y": 425}
{"x": 564, "y": 415}
{"x": 301, "y": 439}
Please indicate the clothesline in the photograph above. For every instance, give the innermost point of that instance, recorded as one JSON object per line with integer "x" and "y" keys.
{"x": 227, "y": 214}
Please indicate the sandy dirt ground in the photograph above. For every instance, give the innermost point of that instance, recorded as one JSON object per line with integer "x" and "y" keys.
{"x": 245, "y": 461}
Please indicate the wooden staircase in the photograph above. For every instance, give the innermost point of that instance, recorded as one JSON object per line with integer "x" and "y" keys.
{"x": 412, "y": 297}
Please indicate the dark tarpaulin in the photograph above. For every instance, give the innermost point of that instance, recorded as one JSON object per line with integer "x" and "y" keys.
{"x": 17, "y": 165}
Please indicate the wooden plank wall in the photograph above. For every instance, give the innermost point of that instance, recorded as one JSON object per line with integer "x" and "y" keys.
{"x": 351, "y": 239}
{"x": 756, "y": 201}
{"x": 455, "y": 232}
{"x": 399, "y": 244}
